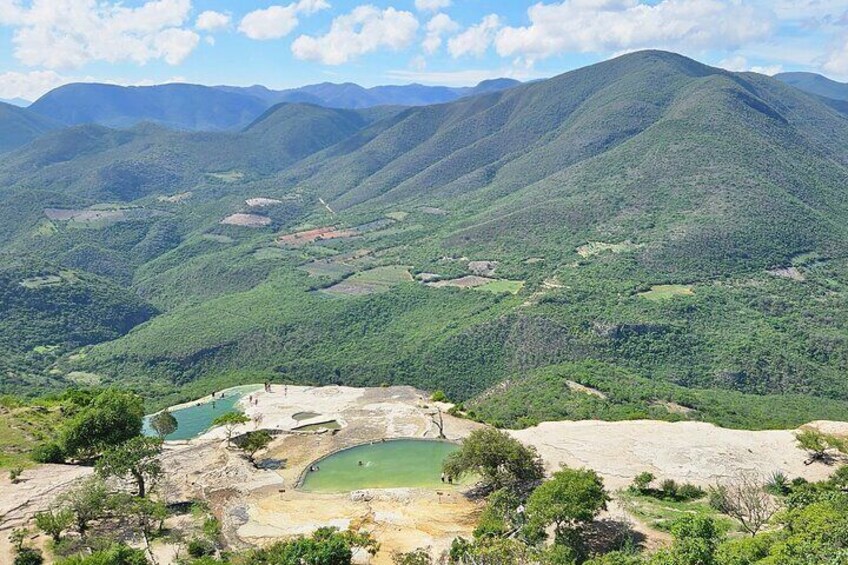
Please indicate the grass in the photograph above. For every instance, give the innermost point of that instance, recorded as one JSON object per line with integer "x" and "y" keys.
{"x": 501, "y": 286}
{"x": 227, "y": 176}
{"x": 596, "y": 247}
{"x": 660, "y": 514}
{"x": 372, "y": 281}
{"x": 667, "y": 291}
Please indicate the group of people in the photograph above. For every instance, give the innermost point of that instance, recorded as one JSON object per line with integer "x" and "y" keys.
{"x": 314, "y": 468}
{"x": 447, "y": 478}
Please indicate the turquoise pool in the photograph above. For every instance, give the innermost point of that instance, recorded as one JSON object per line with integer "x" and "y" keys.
{"x": 390, "y": 464}
{"x": 195, "y": 419}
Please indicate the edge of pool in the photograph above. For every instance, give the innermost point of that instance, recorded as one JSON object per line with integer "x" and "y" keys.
{"x": 298, "y": 485}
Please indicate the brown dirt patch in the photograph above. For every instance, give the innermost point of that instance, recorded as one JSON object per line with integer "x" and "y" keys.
{"x": 309, "y": 236}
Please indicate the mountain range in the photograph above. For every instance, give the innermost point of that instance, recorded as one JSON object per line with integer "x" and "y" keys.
{"x": 667, "y": 222}
{"x": 203, "y": 108}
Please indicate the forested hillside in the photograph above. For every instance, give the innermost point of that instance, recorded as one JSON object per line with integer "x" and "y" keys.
{"x": 668, "y": 224}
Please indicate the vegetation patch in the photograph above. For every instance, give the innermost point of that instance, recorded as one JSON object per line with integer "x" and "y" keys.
{"x": 379, "y": 279}
{"x": 667, "y": 291}
{"x": 50, "y": 280}
{"x": 791, "y": 273}
{"x": 300, "y": 238}
{"x": 90, "y": 215}
{"x": 502, "y": 286}
{"x": 174, "y": 199}
{"x": 269, "y": 253}
{"x": 483, "y": 268}
{"x": 227, "y": 176}
{"x": 468, "y": 281}
{"x": 398, "y": 215}
{"x": 247, "y": 220}
{"x": 661, "y": 513}
{"x": 262, "y": 202}
{"x": 217, "y": 237}
{"x": 596, "y": 247}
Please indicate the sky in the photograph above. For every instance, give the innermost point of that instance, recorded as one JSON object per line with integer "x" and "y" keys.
{"x": 290, "y": 43}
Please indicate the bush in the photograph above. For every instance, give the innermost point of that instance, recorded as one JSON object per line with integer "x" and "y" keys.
{"x": 689, "y": 492}
{"x": 15, "y": 474}
{"x": 199, "y": 547}
{"x": 439, "y": 396}
{"x": 48, "y": 453}
{"x": 28, "y": 556}
{"x": 668, "y": 488}
{"x": 642, "y": 482}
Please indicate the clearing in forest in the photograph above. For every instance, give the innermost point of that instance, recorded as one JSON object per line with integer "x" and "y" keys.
{"x": 175, "y": 199}
{"x": 667, "y": 291}
{"x": 596, "y": 247}
{"x": 480, "y": 283}
{"x": 227, "y": 176}
{"x": 262, "y": 202}
{"x": 502, "y": 286}
{"x": 50, "y": 280}
{"x": 317, "y": 234}
{"x": 379, "y": 279}
{"x": 247, "y": 220}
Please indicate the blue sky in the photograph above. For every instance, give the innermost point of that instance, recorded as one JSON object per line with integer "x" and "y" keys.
{"x": 287, "y": 43}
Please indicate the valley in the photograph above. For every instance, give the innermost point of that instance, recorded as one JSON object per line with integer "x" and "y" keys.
{"x": 568, "y": 321}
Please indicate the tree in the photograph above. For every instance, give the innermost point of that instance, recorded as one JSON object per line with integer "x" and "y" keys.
{"x": 327, "y": 546}
{"x": 136, "y": 458}
{"x": 253, "y": 443}
{"x": 695, "y": 542}
{"x": 818, "y": 444}
{"x": 642, "y": 482}
{"x": 87, "y": 502}
{"x": 569, "y": 501}
{"x": 746, "y": 500}
{"x": 164, "y": 424}
{"x": 230, "y": 421}
{"x": 418, "y": 557}
{"x": 54, "y": 522}
{"x": 499, "y": 459}
{"x": 117, "y": 554}
{"x": 110, "y": 419}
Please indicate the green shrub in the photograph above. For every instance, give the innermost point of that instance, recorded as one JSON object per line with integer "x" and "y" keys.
{"x": 28, "y": 556}
{"x": 439, "y": 396}
{"x": 48, "y": 453}
{"x": 199, "y": 547}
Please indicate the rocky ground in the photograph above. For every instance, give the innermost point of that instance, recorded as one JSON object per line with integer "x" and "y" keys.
{"x": 258, "y": 506}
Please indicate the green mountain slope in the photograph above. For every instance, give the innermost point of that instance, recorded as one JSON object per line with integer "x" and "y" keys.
{"x": 178, "y": 106}
{"x": 19, "y": 126}
{"x": 680, "y": 226}
{"x": 815, "y": 84}
{"x": 752, "y": 169}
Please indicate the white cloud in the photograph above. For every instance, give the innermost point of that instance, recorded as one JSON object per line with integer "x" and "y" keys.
{"x": 275, "y": 22}
{"x": 364, "y": 30}
{"x": 211, "y": 20}
{"x": 431, "y": 5}
{"x": 613, "y": 25}
{"x": 476, "y": 39}
{"x": 70, "y": 33}
{"x": 739, "y": 64}
{"x": 438, "y": 26}
{"x": 31, "y": 85}
{"x": 468, "y": 77}
{"x": 836, "y": 61}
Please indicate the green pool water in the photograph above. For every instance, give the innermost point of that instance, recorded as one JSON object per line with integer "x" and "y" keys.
{"x": 390, "y": 464}
{"x": 195, "y": 419}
